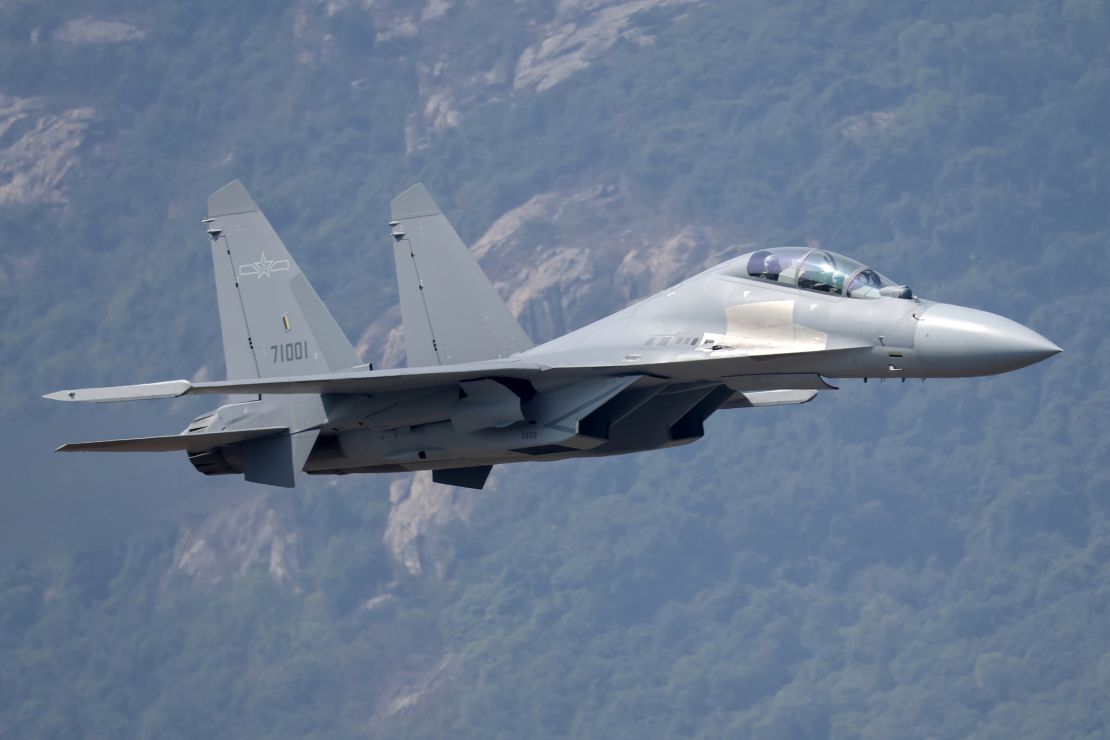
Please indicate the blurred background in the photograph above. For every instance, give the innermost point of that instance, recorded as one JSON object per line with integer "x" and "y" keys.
{"x": 891, "y": 560}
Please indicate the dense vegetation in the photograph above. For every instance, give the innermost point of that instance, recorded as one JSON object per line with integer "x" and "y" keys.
{"x": 889, "y": 561}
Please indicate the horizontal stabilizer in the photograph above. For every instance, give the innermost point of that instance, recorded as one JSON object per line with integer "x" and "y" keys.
{"x": 173, "y": 442}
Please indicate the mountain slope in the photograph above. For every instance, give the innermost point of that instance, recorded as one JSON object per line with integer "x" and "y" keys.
{"x": 892, "y": 560}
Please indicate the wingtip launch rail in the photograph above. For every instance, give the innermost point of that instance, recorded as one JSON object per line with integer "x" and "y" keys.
{"x": 139, "y": 392}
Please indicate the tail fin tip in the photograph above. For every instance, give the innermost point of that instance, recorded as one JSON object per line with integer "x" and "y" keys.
{"x": 231, "y": 198}
{"x": 416, "y": 201}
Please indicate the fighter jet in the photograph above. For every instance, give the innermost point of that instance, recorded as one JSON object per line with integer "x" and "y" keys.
{"x": 763, "y": 329}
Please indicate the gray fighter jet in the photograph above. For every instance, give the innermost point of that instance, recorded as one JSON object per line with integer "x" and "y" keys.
{"x": 763, "y": 329}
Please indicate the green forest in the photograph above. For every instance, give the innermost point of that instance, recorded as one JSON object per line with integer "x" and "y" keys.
{"x": 892, "y": 560}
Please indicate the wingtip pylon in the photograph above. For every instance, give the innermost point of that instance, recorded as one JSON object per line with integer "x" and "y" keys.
{"x": 141, "y": 392}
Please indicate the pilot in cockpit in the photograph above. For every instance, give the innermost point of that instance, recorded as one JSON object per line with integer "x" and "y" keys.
{"x": 771, "y": 268}
{"x": 764, "y": 264}
{"x": 811, "y": 269}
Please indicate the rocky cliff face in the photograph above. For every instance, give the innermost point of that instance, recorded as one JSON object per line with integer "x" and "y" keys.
{"x": 230, "y": 542}
{"x": 88, "y": 30}
{"x": 551, "y": 42}
{"x": 40, "y": 140}
{"x": 420, "y": 510}
{"x": 579, "y": 34}
{"x": 564, "y": 259}
{"x": 38, "y": 147}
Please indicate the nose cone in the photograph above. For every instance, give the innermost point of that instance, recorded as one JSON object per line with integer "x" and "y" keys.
{"x": 956, "y": 342}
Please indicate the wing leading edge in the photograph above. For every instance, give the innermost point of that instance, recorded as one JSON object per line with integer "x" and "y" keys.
{"x": 379, "y": 381}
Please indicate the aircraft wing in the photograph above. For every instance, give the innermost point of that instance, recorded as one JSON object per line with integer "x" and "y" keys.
{"x": 382, "y": 381}
{"x": 372, "y": 381}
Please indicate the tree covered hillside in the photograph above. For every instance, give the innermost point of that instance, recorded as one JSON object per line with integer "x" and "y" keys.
{"x": 891, "y": 560}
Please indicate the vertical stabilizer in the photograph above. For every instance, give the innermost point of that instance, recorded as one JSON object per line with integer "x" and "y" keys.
{"x": 273, "y": 322}
{"x": 449, "y": 309}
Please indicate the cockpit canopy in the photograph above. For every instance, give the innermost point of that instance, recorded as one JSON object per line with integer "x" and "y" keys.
{"x": 812, "y": 269}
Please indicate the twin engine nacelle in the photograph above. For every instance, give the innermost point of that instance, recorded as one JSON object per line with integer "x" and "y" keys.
{"x": 471, "y": 418}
